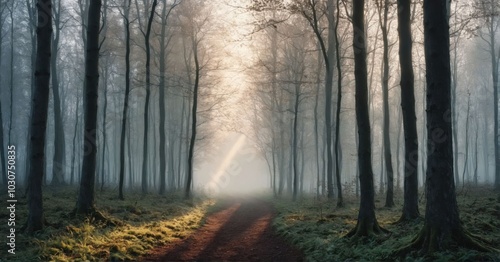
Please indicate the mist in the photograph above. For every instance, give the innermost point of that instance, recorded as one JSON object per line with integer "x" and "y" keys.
{"x": 250, "y": 130}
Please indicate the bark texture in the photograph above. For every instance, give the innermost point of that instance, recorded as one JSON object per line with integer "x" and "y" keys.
{"x": 194, "y": 109}
{"x": 125, "y": 99}
{"x": 39, "y": 111}
{"x": 442, "y": 228}
{"x": 367, "y": 224}
{"x": 58, "y": 165}
{"x": 410, "y": 206}
{"x": 85, "y": 202}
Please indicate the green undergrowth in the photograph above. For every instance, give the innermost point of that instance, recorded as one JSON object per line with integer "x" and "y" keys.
{"x": 145, "y": 222}
{"x": 317, "y": 228}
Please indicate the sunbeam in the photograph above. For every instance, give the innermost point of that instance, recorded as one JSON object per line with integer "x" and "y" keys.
{"x": 216, "y": 183}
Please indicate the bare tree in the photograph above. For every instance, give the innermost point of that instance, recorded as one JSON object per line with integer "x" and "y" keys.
{"x": 193, "y": 37}
{"x": 38, "y": 122}
{"x": 367, "y": 222}
{"x": 410, "y": 206}
{"x": 383, "y": 12}
{"x": 295, "y": 56}
{"x": 442, "y": 228}
{"x": 487, "y": 12}
{"x": 195, "y": 41}
{"x": 146, "y": 34}
{"x": 86, "y": 196}
{"x": 125, "y": 14}
{"x": 164, "y": 41}
{"x": 59, "y": 144}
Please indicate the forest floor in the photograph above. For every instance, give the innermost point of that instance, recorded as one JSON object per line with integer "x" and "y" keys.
{"x": 240, "y": 230}
{"x": 142, "y": 224}
{"x": 166, "y": 228}
{"x": 318, "y": 228}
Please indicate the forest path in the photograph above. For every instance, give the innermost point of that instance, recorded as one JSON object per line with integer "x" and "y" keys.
{"x": 240, "y": 230}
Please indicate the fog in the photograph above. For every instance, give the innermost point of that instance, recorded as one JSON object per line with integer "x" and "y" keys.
{"x": 234, "y": 166}
{"x": 258, "y": 75}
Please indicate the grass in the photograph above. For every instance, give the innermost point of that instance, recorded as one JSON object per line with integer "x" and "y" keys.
{"x": 146, "y": 223}
{"x": 317, "y": 228}
{"x": 314, "y": 226}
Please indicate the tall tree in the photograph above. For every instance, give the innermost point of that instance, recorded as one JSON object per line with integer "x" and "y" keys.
{"x": 442, "y": 227}
{"x": 75, "y": 132}
{"x": 194, "y": 110}
{"x": 367, "y": 224}
{"x": 59, "y": 144}
{"x": 466, "y": 156}
{"x": 383, "y": 12}
{"x": 295, "y": 60}
{"x": 316, "y": 122}
{"x": 164, "y": 41}
{"x": 309, "y": 10}
{"x": 31, "y": 7}
{"x": 162, "y": 87}
{"x": 86, "y": 196}
{"x": 38, "y": 120}
{"x": 488, "y": 12}
{"x": 338, "y": 149}
{"x": 126, "y": 21}
{"x": 410, "y": 206}
{"x": 147, "y": 34}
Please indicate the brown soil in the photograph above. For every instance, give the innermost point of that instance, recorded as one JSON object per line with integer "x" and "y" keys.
{"x": 239, "y": 231}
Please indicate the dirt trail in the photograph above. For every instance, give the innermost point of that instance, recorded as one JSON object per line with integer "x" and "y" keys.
{"x": 239, "y": 231}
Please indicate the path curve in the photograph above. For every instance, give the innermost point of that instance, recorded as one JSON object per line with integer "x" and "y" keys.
{"x": 239, "y": 231}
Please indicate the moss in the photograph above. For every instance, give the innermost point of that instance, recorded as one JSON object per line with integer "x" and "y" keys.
{"x": 140, "y": 224}
{"x": 317, "y": 227}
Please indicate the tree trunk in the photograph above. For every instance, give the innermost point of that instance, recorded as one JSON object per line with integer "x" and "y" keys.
{"x": 442, "y": 227}
{"x": 410, "y": 206}
{"x": 454, "y": 113}
{"x": 38, "y": 122}
{"x": 85, "y": 203}
{"x": 466, "y": 156}
{"x": 476, "y": 155}
{"x": 125, "y": 100}
{"x": 494, "y": 67}
{"x": 131, "y": 165}
{"x": 398, "y": 159}
{"x": 105, "y": 91}
{"x": 367, "y": 224}
{"x": 163, "y": 163}
{"x": 316, "y": 124}
{"x": 340, "y": 199}
{"x": 294, "y": 141}
{"x": 281, "y": 157}
{"x": 189, "y": 179}
{"x": 162, "y": 87}
{"x": 383, "y": 8}
{"x": 328, "y": 56}
{"x": 381, "y": 181}
{"x": 31, "y": 7}
{"x": 302, "y": 159}
{"x": 144, "y": 174}
{"x": 104, "y": 110}
{"x": 74, "y": 149}
{"x": 59, "y": 143}
{"x": 327, "y": 52}
{"x": 181, "y": 140}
